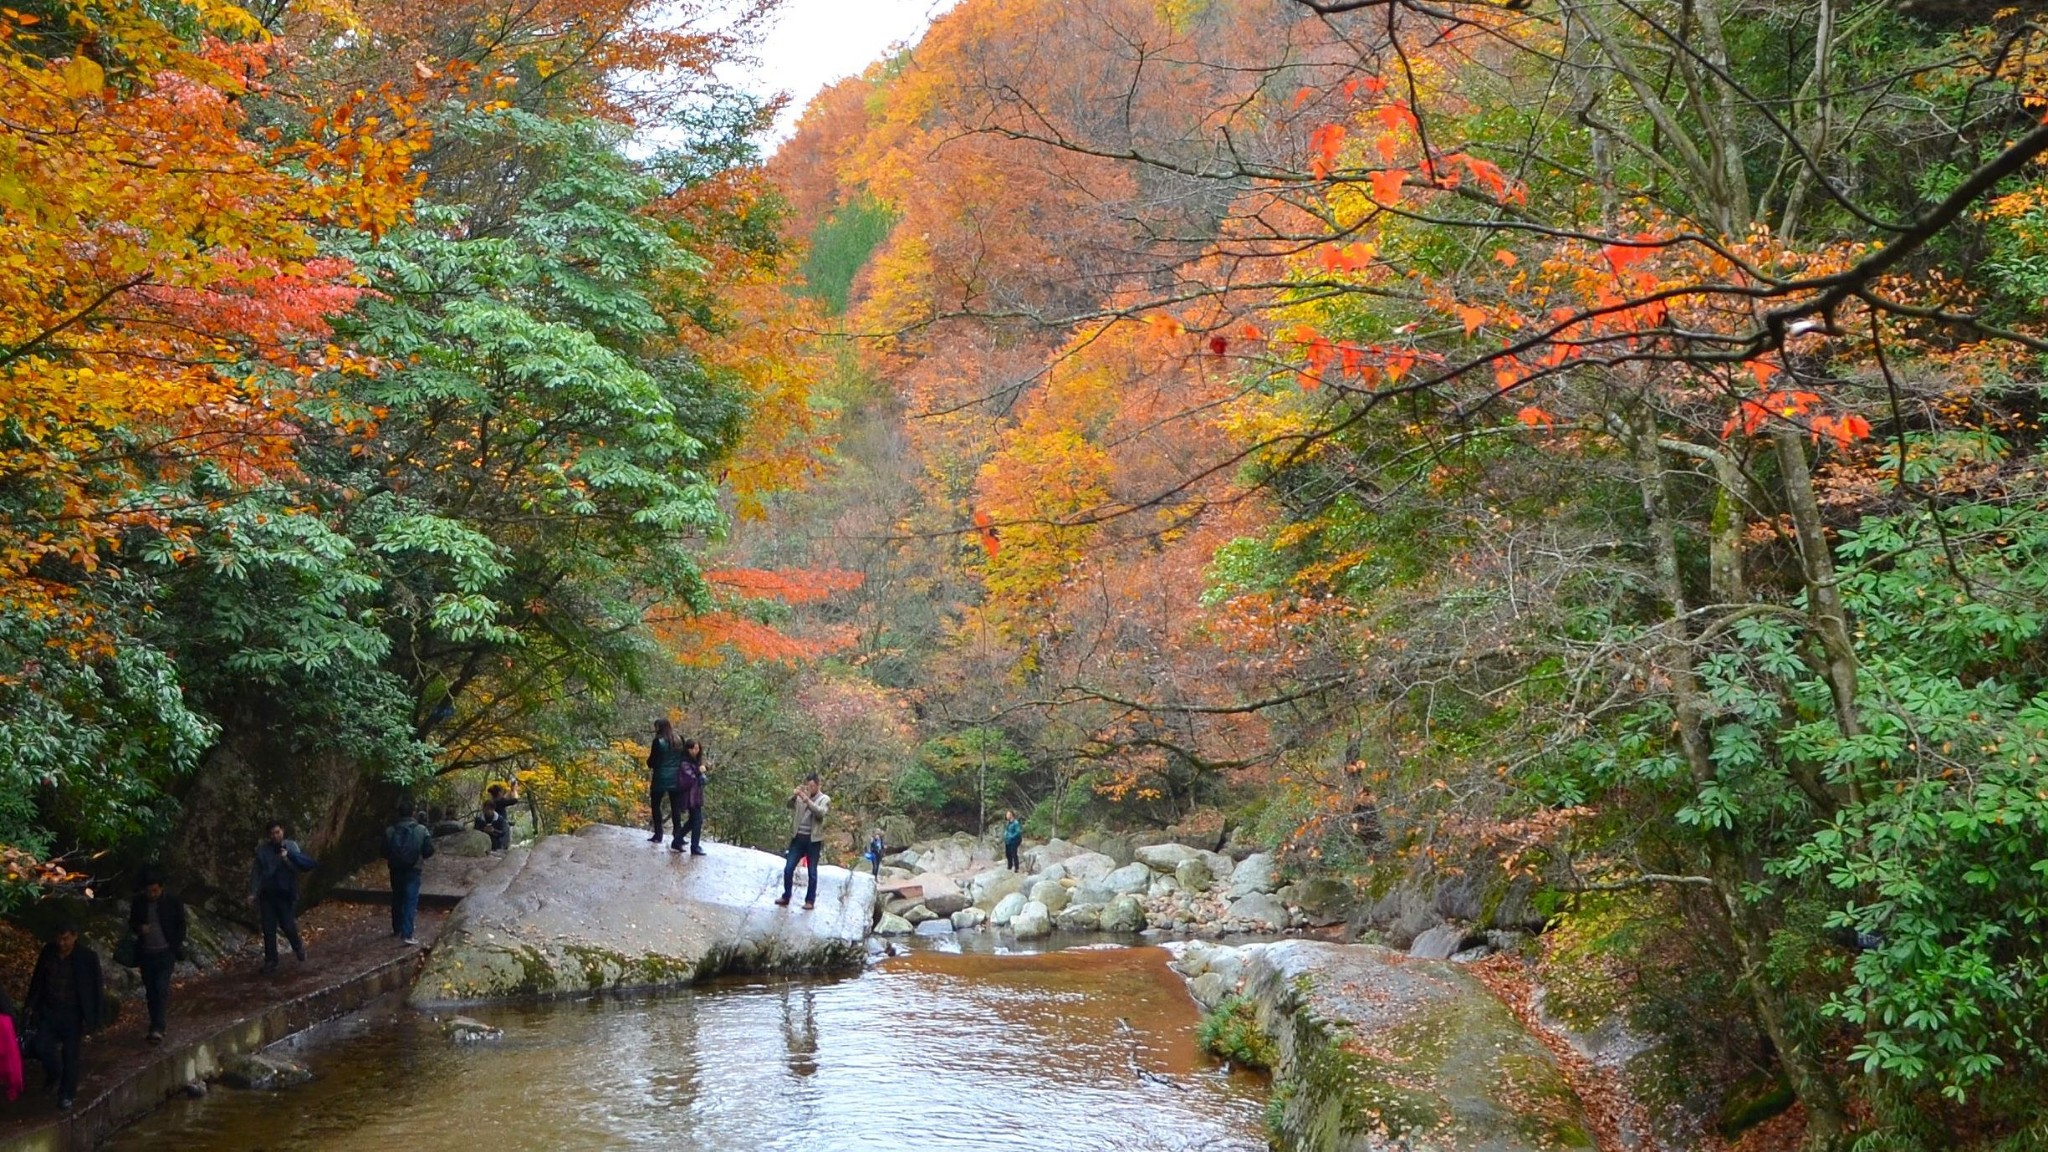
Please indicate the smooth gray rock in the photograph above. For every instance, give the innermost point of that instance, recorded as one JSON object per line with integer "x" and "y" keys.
{"x": 1124, "y": 914}
{"x": 464, "y": 1030}
{"x": 469, "y": 842}
{"x": 1259, "y": 910}
{"x": 1163, "y": 887}
{"x": 1165, "y": 857}
{"x": 1131, "y": 878}
{"x": 1079, "y": 918}
{"x": 1255, "y": 873}
{"x": 1053, "y": 896}
{"x": 890, "y": 924}
{"x": 1439, "y": 943}
{"x": 1193, "y": 874}
{"x": 1039, "y": 857}
{"x": 1006, "y": 909}
{"x": 967, "y": 918}
{"x": 1321, "y": 899}
{"x": 1471, "y": 955}
{"x": 1031, "y": 922}
{"x": 918, "y": 914}
{"x": 604, "y": 910}
{"x": 986, "y": 888}
{"x": 260, "y": 1071}
{"x": 941, "y": 895}
{"x": 1208, "y": 989}
{"x": 935, "y": 928}
{"x": 1089, "y": 867}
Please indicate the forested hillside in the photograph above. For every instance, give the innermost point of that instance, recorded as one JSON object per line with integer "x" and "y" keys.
{"x": 1578, "y": 454}
{"x": 368, "y": 388}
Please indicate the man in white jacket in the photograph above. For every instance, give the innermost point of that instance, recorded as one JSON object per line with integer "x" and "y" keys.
{"x": 807, "y": 806}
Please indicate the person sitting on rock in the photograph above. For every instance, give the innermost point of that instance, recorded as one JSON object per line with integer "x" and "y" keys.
{"x": 807, "y": 805}
{"x": 492, "y": 821}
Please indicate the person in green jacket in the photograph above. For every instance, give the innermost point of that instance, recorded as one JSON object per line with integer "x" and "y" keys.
{"x": 665, "y": 781}
{"x": 1013, "y": 838}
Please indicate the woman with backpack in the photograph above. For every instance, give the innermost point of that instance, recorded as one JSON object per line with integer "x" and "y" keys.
{"x": 665, "y": 781}
{"x": 691, "y": 785}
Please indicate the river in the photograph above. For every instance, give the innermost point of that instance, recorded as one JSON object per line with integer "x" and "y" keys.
{"x": 1087, "y": 1049}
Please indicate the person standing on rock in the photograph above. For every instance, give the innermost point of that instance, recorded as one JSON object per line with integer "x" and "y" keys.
{"x": 690, "y": 778}
{"x": 492, "y": 821}
{"x": 1013, "y": 838}
{"x": 807, "y": 805}
{"x": 664, "y": 781}
{"x": 877, "y": 848}
{"x": 157, "y": 919}
{"x": 406, "y": 849}
{"x": 274, "y": 883}
{"x": 64, "y": 997}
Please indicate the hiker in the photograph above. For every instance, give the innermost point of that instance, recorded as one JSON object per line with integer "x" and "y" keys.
{"x": 274, "y": 884}
{"x": 10, "y": 1050}
{"x": 1013, "y": 838}
{"x": 492, "y": 821}
{"x": 157, "y": 919}
{"x": 664, "y": 781}
{"x": 406, "y": 848}
{"x": 876, "y": 848}
{"x": 691, "y": 778}
{"x": 64, "y": 998}
{"x": 807, "y": 806}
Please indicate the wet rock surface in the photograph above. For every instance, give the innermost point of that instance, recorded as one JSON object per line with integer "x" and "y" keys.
{"x": 603, "y": 910}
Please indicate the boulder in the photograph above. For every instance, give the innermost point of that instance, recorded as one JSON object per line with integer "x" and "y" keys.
{"x": 1165, "y": 857}
{"x": 1094, "y": 894}
{"x": 907, "y": 859}
{"x": 953, "y": 856}
{"x": 897, "y": 831}
{"x": 941, "y": 895}
{"x": 968, "y": 918}
{"x": 900, "y": 905}
{"x": 464, "y": 1030}
{"x": 1374, "y": 1050}
{"x": 1131, "y": 878}
{"x": 1322, "y": 900}
{"x": 467, "y": 843}
{"x": 1193, "y": 874}
{"x": 1219, "y": 864}
{"x": 1472, "y": 955}
{"x": 1079, "y": 918}
{"x": 1124, "y": 914}
{"x": 1031, "y": 921}
{"x": 1052, "y": 895}
{"x": 935, "y": 928}
{"x": 260, "y": 1071}
{"x": 1052, "y": 873}
{"x": 986, "y": 888}
{"x": 603, "y": 910}
{"x": 1208, "y": 989}
{"x": 1163, "y": 887}
{"x": 1258, "y": 911}
{"x": 1115, "y": 847}
{"x": 1039, "y": 857}
{"x": 1438, "y": 943}
{"x": 1255, "y": 873}
{"x": 1006, "y": 909}
{"x": 918, "y": 914}
{"x": 892, "y": 925}
{"x": 1088, "y": 867}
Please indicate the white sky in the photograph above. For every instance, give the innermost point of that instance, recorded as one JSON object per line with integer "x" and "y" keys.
{"x": 814, "y": 42}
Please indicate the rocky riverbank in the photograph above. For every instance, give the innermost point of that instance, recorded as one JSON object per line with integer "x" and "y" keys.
{"x": 958, "y": 884}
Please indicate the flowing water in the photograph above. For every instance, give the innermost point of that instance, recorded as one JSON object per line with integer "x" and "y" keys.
{"x": 1087, "y": 1049}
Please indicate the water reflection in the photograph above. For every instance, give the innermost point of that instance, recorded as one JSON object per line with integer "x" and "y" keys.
{"x": 981, "y": 1052}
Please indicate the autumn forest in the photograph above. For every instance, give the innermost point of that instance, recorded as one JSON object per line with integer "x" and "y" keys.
{"x": 1583, "y": 455}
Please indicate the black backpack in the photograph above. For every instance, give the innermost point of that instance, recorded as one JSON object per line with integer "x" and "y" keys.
{"x": 401, "y": 847}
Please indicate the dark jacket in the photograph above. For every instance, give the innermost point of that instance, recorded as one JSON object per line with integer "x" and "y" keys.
{"x": 278, "y": 873}
{"x": 85, "y": 980}
{"x": 664, "y": 765}
{"x": 170, "y": 916}
{"x": 691, "y": 780}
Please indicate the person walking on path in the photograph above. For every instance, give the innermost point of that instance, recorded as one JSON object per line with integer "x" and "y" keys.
{"x": 64, "y": 997}
{"x": 664, "y": 781}
{"x": 807, "y": 806}
{"x": 1013, "y": 838}
{"x": 274, "y": 882}
{"x": 406, "y": 847}
{"x": 492, "y": 821}
{"x": 691, "y": 778}
{"x": 876, "y": 849}
{"x": 157, "y": 919}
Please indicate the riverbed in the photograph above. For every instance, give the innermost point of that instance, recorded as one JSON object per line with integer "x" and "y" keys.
{"x": 1089, "y": 1049}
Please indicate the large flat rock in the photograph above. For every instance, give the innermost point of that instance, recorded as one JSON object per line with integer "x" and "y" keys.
{"x": 1381, "y": 1051}
{"x": 604, "y": 910}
